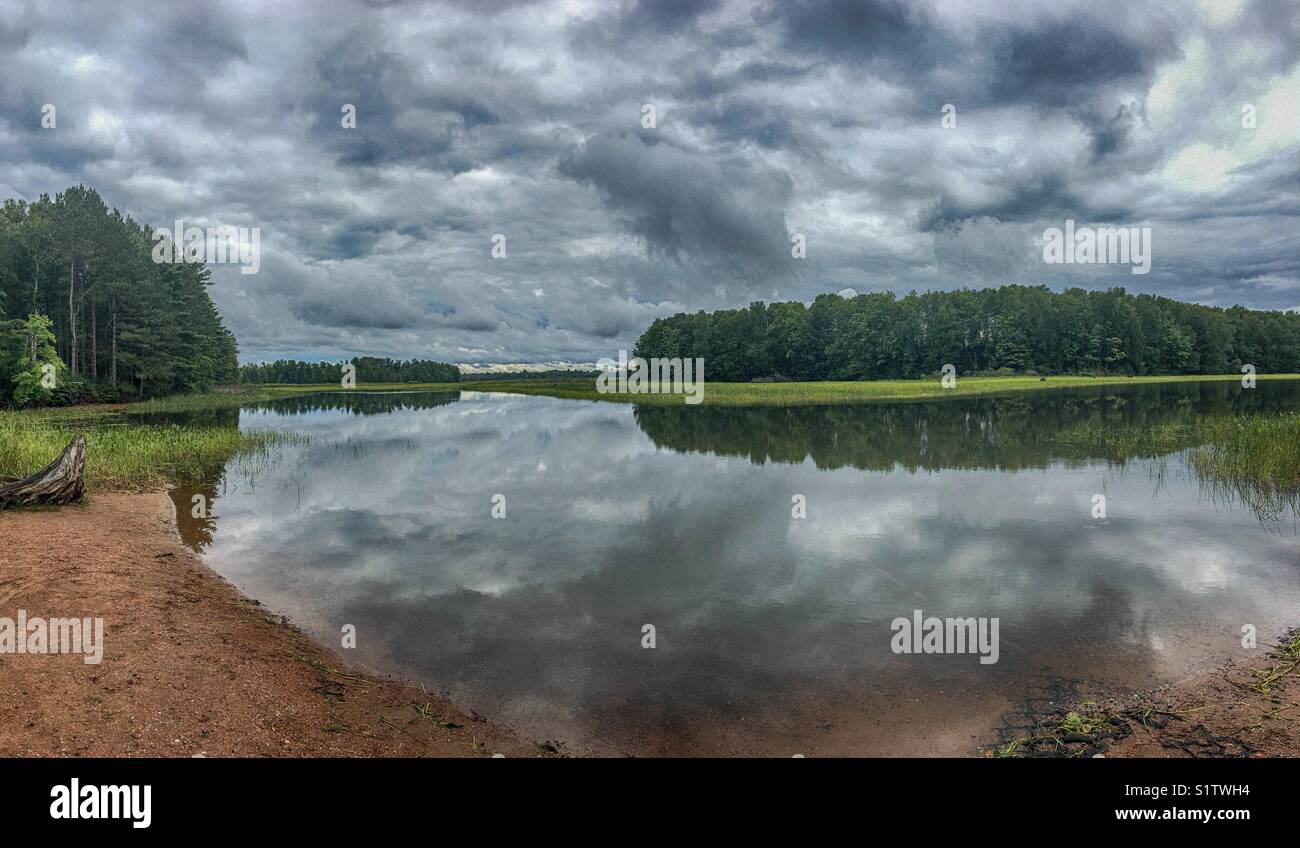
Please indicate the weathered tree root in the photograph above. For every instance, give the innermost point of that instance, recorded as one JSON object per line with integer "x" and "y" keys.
{"x": 60, "y": 482}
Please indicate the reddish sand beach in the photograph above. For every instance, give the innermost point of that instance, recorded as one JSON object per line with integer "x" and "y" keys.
{"x": 189, "y": 666}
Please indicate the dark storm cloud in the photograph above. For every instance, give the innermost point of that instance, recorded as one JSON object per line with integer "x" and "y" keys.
{"x": 1052, "y": 63}
{"x": 816, "y": 117}
{"x": 387, "y": 92}
{"x": 664, "y": 16}
{"x": 1063, "y": 62}
{"x": 1028, "y": 197}
{"x": 686, "y": 206}
{"x": 865, "y": 31}
{"x": 705, "y": 83}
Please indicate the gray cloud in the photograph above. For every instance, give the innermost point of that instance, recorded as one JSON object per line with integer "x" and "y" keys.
{"x": 687, "y": 206}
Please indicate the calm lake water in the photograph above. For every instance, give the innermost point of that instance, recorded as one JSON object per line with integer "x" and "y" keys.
{"x": 772, "y": 632}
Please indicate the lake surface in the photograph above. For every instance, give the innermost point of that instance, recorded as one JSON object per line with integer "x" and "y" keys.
{"x": 772, "y": 633}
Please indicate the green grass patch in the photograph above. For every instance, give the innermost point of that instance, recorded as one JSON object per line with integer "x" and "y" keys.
{"x": 121, "y": 456}
{"x": 1256, "y": 452}
{"x": 1255, "y": 449}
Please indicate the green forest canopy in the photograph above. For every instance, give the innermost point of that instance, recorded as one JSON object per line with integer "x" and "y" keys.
{"x": 122, "y": 325}
{"x": 1016, "y": 328}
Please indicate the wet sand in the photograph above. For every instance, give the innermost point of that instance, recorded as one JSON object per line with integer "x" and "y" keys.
{"x": 189, "y": 666}
{"x": 1216, "y": 714}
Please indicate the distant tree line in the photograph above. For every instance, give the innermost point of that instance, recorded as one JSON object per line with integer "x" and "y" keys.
{"x": 86, "y": 314}
{"x": 1010, "y": 329}
{"x": 370, "y": 369}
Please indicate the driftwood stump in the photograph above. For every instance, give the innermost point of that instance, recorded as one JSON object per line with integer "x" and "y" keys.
{"x": 60, "y": 482}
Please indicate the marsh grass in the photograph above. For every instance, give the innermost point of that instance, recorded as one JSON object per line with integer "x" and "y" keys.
{"x": 132, "y": 457}
{"x": 715, "y": 394}
{"x": 828, "y": 392}
{"x": 1251, "y": 458}
{"x": 1255, "y": 449}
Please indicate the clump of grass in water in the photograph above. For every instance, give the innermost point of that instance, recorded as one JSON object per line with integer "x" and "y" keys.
{"x": 1259, "y": 449}
{"x": 128, "y": 457}
{"x": 1255, "y": 458}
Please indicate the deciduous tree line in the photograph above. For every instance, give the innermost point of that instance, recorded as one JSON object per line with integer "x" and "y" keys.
{"x": 1013, "y": 328}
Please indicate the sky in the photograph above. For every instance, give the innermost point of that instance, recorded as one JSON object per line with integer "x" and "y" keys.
{"x": 822, "y": 122}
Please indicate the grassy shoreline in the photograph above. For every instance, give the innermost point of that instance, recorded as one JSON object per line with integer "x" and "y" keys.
{"x": 127, "y": 458}
{"x": 138, "y": 456}
{"x": 715, "y": 394}
{"x": 832, "y": 393}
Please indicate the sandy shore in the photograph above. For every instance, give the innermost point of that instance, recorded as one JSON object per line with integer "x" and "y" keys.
{"x": 189, "y": 666}
{"x": 1217, "y": 714}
